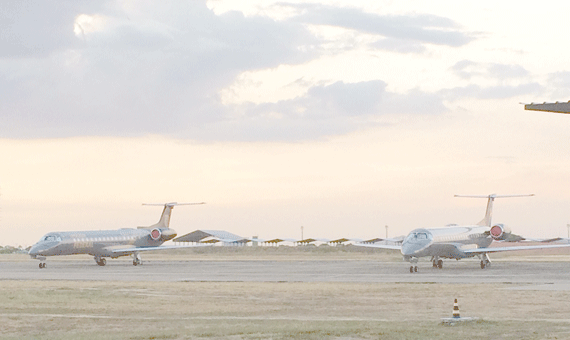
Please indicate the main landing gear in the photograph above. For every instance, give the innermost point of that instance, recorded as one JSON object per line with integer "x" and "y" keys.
{"x": 437, "y": 263}
{"x": 137, "y": 259}
{"x": 413, "y": 269}
{"x": 42, "y": 265}
{"x": 100, "y": 261}
{"x": 485, "y": 261}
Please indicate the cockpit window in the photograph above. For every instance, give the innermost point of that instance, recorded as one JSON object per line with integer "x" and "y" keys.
{"x": 51, "y": 238}
{"x": 417, "y": 236}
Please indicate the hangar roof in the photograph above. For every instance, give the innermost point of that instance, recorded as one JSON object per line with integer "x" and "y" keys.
{"x": 212, "y": 235}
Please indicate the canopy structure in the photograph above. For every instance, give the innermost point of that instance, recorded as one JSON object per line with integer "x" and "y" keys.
{"x": 374, "y": 240}
{"x": 560, "y": 107}
{"x": 343, "y": 240}
{"x": 276, "y": 241}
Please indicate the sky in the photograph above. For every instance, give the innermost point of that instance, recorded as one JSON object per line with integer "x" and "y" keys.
{"x": 341, "y": 117}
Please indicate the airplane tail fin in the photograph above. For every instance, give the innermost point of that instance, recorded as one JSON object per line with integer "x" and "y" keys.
{"x": 486, "y": 221}
{"x": 164, "y": 221}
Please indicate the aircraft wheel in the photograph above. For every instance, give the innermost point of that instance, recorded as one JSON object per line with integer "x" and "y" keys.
{"x": 483, "y": 265}
{"x": 440, "y": 264}
{"x": 434, "y": 264}
{"x": 415, "y": 269}
{"x": 102, "y": 262}
{"x": 42, "y": 265}
{"x": 411, "y": 269}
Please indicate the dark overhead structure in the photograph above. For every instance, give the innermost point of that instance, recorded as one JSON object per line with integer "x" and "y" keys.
{"x": 560, "y": 107}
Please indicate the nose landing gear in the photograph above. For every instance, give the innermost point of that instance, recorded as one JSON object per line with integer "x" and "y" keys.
{"x": 413, "y": 262}
{"x": 42, "y": 261}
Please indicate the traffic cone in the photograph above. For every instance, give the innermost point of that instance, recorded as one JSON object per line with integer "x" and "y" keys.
{"x": 456, "y": 310}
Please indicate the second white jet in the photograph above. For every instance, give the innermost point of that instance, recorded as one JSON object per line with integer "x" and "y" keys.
{"x": 458, "y": 242}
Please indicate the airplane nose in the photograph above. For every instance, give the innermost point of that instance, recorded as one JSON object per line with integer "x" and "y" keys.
{"x": 34, "y": 251}
{"x": 410, "y": 249}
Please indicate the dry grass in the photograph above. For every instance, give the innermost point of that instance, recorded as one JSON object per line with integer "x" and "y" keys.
{"x": 241, "y": 310}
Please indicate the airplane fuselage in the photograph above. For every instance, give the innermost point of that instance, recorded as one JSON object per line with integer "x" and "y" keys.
{"x": 445, "y": 242}
{"x": 101, "y": 243}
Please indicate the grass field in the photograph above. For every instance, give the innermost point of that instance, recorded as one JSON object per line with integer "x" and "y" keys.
{"x": 249, "y": 310}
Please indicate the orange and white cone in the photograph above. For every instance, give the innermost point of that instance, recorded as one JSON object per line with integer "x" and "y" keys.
{"x": 456, "y": 310}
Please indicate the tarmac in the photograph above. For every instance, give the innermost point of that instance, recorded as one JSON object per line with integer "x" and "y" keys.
{"x": 522, "y": 275}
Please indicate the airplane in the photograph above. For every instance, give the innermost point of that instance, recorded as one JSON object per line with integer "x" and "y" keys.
{"x": 109, "y": 243}
{"x": 458, "y": 242}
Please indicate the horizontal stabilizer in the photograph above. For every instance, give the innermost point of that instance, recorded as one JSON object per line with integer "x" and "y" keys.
{"x": 172, "y": 204}
{"x": 486, "y": 221}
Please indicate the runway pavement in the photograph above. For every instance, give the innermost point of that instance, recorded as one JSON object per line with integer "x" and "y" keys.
{"x": 523, "y": 275}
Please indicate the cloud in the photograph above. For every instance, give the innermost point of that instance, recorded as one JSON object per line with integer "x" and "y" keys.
{"x": 491, "y": 92}
{"x": 559, "y": 86}
{"x": 155, "y": 69}
{"x": 417, "y": 28}
{"x": 560, "y": 79}
{"x": 37, "y": 28}
{"x": 146, "y": 72}
{"x": 398, "y": 45}
{"x": 325, "y": 110}
{"x": 467, "y": 69}
{"x": 511, "y": 79}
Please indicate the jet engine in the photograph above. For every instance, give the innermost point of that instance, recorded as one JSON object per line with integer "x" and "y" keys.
{"x": 162, "y": 234}
{"x": 500, "y": 232}
{"x": 155, "y": 234}
{"x": 168, "y": 234}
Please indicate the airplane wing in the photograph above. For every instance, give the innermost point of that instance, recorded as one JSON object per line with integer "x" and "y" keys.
{"x": 139, "y": 249}
{"x": 500, "y": 249}
{"x": 382, "y": 246}
{"x": 545, "y": 240}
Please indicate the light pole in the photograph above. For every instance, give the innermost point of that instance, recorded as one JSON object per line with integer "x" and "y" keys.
{"x": 302, "y": 233}
{"x": 386, "y": 231}
{"x": 568, "y": 226}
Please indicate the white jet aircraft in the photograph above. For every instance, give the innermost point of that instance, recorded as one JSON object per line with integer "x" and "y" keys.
{"x": 458, "y": 242}
{"x": 109, "y": 243}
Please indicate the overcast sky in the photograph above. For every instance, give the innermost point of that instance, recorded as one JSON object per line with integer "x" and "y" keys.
{"x": 338, "y": 116}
